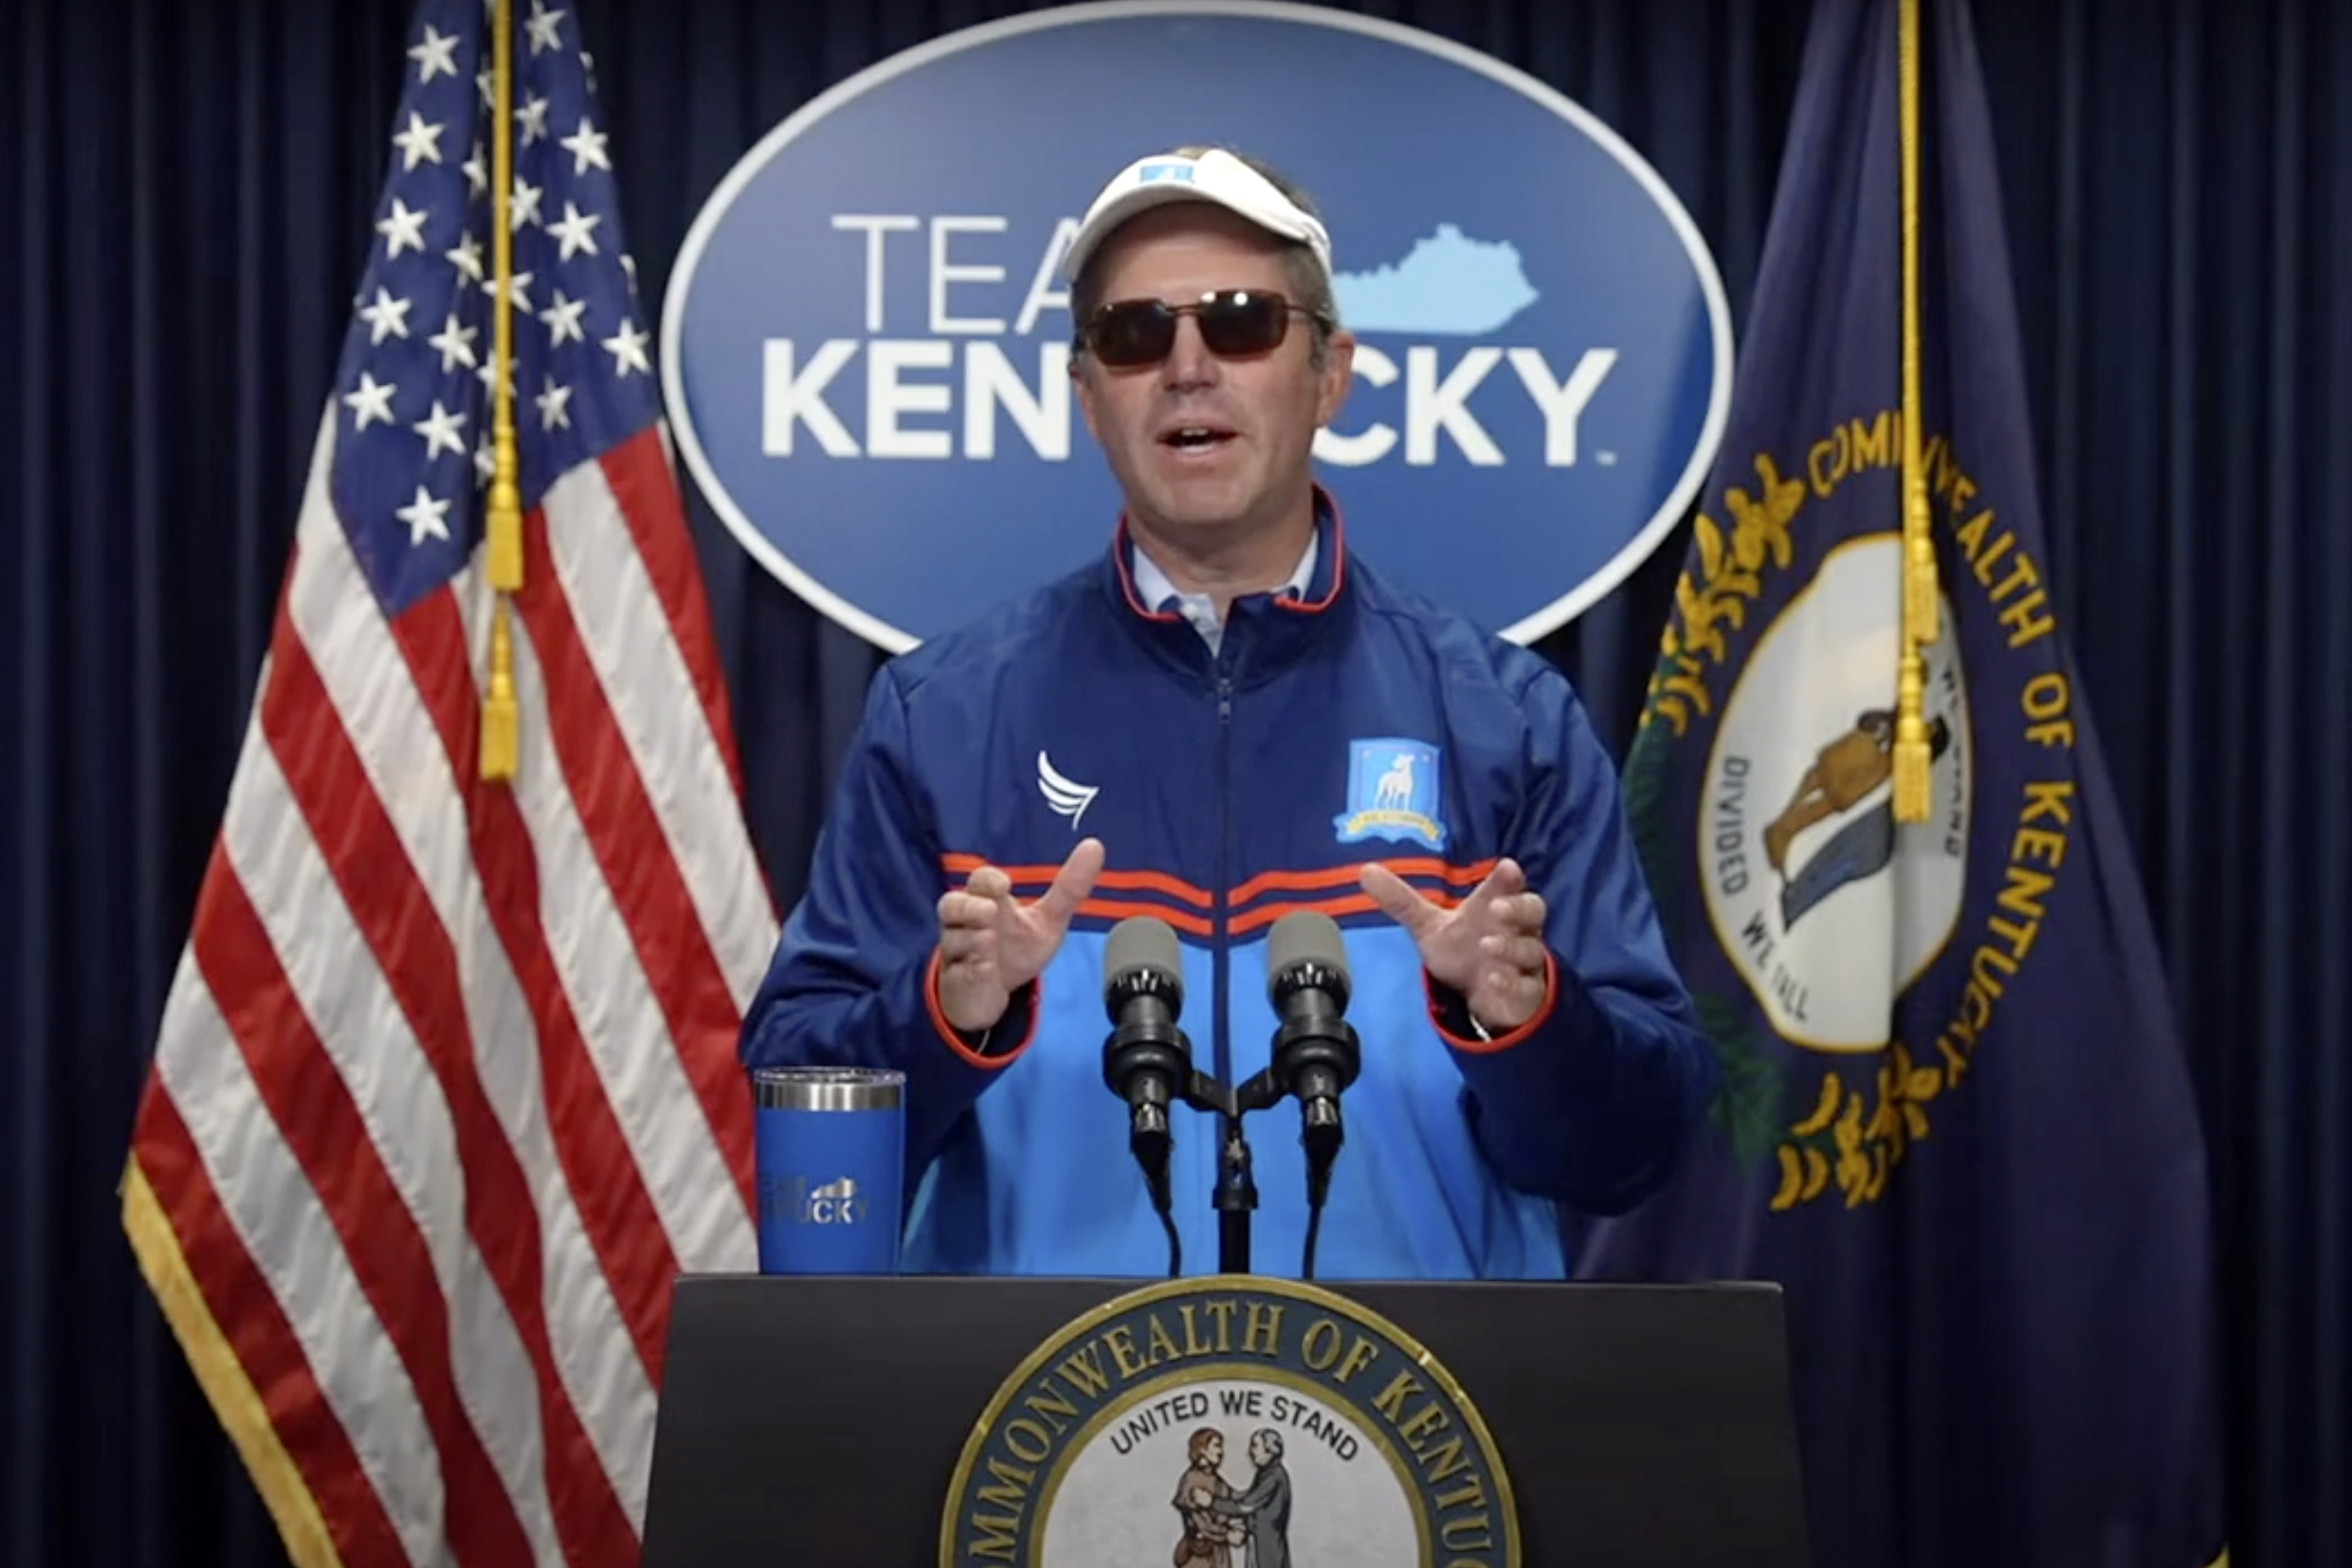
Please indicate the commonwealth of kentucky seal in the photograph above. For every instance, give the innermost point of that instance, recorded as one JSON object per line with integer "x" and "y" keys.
{"x": 1798, "y": 838}
{"x": 1230, "y": 1422}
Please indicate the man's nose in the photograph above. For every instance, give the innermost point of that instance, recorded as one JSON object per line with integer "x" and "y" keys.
{"x": 1188, "y": 362}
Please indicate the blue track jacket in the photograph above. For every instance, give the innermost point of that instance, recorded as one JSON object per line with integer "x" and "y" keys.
{"x": 1228, "y": 790}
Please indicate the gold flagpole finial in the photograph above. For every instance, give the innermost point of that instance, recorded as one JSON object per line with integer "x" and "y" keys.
{"x": 1911, "y": 757}
{"x": 500, "y": 735}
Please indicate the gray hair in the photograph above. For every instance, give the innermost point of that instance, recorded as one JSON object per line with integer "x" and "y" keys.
{"x": 1310, "y": 288}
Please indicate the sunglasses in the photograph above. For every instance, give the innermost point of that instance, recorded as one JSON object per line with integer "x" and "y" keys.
{"x": 1234, "y": 323}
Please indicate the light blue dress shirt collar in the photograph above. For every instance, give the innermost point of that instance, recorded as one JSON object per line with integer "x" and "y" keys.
{"x": 1153, "y": 587}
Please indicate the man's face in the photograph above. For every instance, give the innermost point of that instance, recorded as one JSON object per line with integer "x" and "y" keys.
{"x": 1206, "y": 448}
{"x": 1260, "y": 1451}
{"x": 1212, "y": 1452}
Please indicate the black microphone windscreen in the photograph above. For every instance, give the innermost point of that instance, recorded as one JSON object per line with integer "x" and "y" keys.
{"x": 1143, "y": 944}
{"x": 1303, "y": 937}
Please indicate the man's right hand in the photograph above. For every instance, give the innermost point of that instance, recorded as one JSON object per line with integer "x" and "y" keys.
{"x": 992, "y": 945}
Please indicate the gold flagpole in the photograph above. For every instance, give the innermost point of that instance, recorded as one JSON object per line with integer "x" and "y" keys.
{"x": 1919, "y": 553}
{"x": 499, "y": 737}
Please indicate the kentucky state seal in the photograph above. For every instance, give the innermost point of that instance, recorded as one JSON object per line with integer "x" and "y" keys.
{"x": 1230, "y": 1422}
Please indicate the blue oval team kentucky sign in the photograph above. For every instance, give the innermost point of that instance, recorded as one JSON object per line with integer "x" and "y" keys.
{"x": 866, "y": 343}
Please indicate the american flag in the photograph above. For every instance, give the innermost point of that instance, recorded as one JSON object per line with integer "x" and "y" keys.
{"x": 446, "y": 1091}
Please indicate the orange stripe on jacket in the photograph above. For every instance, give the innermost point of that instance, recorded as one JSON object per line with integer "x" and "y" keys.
{"x": 1346, "y": 876}
{"x": 1124, "y": 882}
{"x": 1358, "y": 903}
{"x": 1458, "y": 881}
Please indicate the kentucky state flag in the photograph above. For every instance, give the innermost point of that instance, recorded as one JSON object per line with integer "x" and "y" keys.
{"x": 1956, "y": 1122}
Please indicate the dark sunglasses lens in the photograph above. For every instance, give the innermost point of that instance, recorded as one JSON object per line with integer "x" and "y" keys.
{"x": 1244, "y": 324}
{"x": 1142, "y": 331}
{"x": 1133, "y": 332}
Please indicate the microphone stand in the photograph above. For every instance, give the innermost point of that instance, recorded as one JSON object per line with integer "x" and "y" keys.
{"x": 1202, "y": 1093}
{"x": 1236, "y": 1195}
{"x": 1237, "y": 1187}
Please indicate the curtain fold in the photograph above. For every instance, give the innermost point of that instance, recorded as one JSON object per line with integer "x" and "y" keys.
{"x": 187, "y": 196}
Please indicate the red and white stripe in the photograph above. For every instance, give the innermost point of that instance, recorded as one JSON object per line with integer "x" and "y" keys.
{"x": 447, "y": 1090}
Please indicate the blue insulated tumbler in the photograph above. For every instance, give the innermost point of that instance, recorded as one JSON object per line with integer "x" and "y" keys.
{"x": 831, "y": 1154}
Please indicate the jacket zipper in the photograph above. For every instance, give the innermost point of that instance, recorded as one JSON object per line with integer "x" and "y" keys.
{"x": 1223, "y": 1047}
{"x": 1234, "y": 1192}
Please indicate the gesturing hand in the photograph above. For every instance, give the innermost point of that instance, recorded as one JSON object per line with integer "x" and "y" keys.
{"x": 992, "y": 945}
{"x": 1489, "y": 947}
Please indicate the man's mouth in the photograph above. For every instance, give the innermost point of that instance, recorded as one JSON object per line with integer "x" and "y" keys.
{"x": 1195, "y": 438}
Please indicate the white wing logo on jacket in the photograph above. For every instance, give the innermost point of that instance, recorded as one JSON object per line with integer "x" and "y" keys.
{"x": 1067, "y": 798}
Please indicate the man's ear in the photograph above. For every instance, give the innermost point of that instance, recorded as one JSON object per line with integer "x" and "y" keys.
{"x": 1082, "y": 383}
{"x": 1337, "y": 376}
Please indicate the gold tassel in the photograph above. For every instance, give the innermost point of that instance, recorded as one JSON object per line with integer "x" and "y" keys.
{"x": 1919, "y": 555}
{"x": 1918, "y": 568}
{"x": 500, "y": 719}
{"x": 1911, "y": 758}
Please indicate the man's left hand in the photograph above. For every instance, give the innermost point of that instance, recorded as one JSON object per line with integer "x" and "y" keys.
{"x": 1489, "y": 947}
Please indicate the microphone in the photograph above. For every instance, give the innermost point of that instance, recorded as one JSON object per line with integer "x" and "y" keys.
{"x": 1316, "y": 1053}
{"x": 1146, "y": 1060}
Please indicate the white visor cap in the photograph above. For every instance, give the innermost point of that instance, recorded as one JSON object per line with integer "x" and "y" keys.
{"x": 1213, "y": 176}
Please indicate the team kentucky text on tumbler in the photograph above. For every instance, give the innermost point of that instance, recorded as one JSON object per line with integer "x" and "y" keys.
{"x": 831, "y": 1148}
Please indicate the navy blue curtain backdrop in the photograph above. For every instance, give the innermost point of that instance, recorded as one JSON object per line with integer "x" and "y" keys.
{"x": 184, "y": 205}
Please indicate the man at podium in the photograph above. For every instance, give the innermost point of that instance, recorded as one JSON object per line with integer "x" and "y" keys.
{"x": 1229, "y": 718}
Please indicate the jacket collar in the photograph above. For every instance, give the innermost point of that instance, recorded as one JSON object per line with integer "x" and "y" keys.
{"x": 1263, "y": 631}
